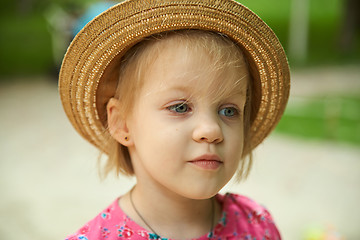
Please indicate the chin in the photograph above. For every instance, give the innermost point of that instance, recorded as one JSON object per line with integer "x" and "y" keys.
{"x": 202, "y": 193}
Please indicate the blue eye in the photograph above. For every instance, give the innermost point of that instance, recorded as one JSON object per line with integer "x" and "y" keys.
{"x": 229, "y": 112}
{"x": 179, "y": 108}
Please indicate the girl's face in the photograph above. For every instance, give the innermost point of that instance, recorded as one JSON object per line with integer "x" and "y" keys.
{"x": 185, "y": 139}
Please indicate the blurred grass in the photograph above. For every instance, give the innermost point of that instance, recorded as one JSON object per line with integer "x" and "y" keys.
{"x": 325, "y": 19}
{"x": 335, "y": 119}
{"x": 25, "y": 45}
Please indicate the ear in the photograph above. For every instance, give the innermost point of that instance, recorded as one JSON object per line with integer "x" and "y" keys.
{"x": 117, "y": 123}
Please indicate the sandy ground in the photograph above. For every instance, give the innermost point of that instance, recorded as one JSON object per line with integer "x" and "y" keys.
{"x": 50, "y": 187}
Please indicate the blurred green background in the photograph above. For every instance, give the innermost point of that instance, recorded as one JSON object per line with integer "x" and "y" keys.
{"x": 326, "y": 21}
{"x": 27, "y": 31}
{"x": 35, "y": 34}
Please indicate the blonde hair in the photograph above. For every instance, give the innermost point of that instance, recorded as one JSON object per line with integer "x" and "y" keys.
{"x": 223, "y": 52}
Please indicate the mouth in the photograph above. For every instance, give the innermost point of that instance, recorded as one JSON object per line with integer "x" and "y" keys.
{"x": 207, "y": 162}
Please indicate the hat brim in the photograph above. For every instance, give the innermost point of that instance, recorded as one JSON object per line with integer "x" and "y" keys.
{"x": 92, "y": 58}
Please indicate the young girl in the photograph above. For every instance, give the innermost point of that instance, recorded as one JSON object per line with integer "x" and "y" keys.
{"x": 177, "y": 93}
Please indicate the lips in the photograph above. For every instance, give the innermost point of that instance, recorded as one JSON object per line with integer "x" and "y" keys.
{"x": 207, "y": 162}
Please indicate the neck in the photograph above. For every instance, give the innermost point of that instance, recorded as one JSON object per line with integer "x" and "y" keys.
{"x": 169, "y": 214}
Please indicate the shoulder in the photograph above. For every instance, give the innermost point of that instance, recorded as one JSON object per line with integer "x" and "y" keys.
{"x": 248, "y": 218}
{"x": 102, "y": 226}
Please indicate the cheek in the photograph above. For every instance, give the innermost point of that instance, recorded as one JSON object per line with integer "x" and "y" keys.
{"x": 156, "y": 135}
{"x": 235, "y": 141}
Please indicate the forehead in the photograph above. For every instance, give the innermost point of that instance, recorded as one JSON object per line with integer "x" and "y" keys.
{"x": 201, "y": 66}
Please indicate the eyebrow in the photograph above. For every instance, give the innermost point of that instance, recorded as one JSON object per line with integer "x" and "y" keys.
{"x": 181, "y": 88}
{"x": 175, "y": 87}
{"x": 189, "y": 92}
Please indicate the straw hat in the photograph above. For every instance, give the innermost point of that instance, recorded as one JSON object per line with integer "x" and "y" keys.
{"x": 92, "y": 60}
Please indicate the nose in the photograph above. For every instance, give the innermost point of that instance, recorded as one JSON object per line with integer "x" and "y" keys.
{"x": 208, "y": 130}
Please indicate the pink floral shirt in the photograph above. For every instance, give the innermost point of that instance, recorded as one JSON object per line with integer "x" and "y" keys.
{"x": 242, "y": 219}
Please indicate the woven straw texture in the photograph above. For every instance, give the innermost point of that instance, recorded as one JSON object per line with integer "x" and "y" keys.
{"x": 88, "y": 62}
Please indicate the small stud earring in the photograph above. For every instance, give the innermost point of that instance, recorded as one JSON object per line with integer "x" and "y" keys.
{"x": 126, "y": 138}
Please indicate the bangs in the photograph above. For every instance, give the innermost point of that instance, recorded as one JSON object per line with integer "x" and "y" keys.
{"x": 226, "y": 67}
